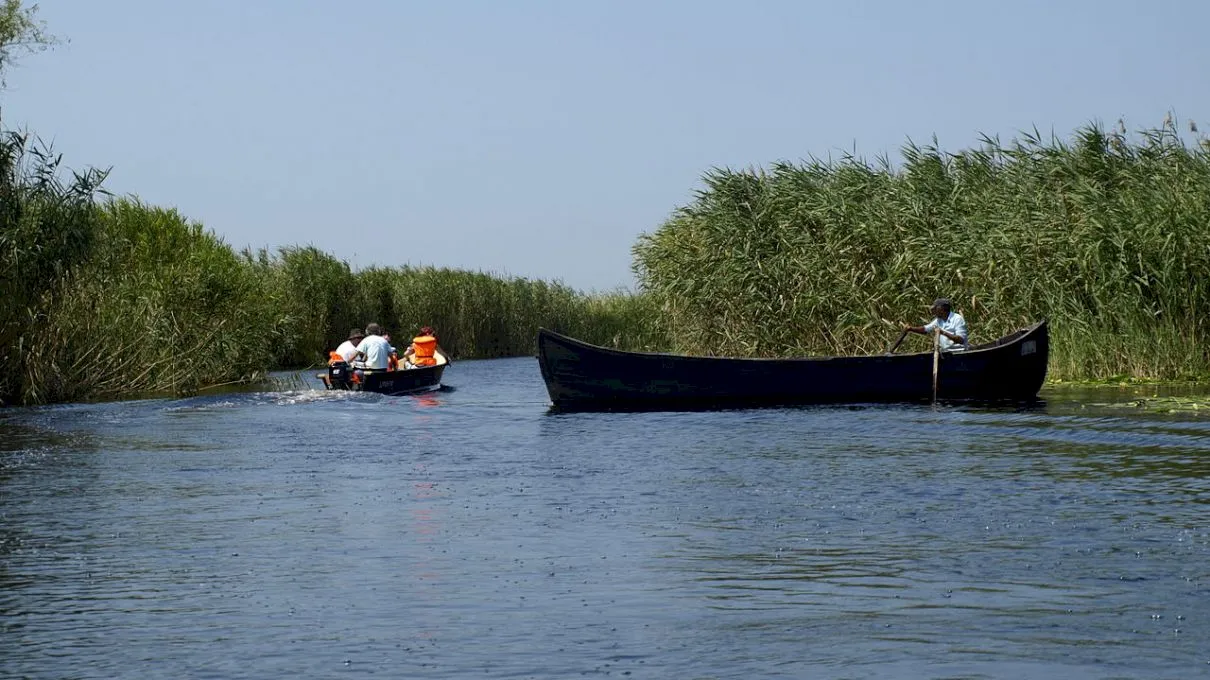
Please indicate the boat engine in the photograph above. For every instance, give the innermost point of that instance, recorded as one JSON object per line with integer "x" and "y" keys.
{"x": 340, "y": 376}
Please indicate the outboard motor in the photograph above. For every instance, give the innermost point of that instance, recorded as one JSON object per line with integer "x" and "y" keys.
{"x": 340, "y": 376}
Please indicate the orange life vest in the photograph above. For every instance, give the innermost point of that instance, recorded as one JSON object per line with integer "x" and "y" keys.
{"x": 424, "y": 346}
{"x": 393, "y": 362}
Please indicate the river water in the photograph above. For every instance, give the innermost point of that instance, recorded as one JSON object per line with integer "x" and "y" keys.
{"x": 472, "y": 533}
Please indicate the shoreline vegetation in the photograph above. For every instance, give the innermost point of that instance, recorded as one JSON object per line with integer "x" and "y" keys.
{"x": 1106, "y": 234}
{"x": 104, "y": 297}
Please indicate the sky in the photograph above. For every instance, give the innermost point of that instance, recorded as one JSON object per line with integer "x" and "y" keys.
{"x": 539, "y": 139}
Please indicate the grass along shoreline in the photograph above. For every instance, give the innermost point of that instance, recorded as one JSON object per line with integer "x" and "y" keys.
{"x": 105, "y": 298}
{"x": 1106, "y": 235}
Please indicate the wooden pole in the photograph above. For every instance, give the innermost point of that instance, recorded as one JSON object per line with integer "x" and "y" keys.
{"x": 936, "y": 359}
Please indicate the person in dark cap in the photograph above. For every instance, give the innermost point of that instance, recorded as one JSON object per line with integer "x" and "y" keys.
{"x": 949, "y": 323}
{"x": 348, "y": 348}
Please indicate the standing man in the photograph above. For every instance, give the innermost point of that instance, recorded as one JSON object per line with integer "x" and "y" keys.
{"x": 950, "y": 323}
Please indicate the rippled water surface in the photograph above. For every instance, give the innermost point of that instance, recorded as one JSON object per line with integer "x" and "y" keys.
{"x": 472, "y": 533}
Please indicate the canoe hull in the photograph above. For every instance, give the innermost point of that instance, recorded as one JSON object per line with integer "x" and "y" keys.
{"x": 580, "y": 376}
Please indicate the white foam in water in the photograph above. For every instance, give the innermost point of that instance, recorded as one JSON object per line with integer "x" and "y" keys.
{"x": 280, "y": 398}
{"x": 209, "y": 406}
{"x": 311, "y": 396}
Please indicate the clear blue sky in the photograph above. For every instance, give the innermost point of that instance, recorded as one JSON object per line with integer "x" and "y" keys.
{"x": 539, "y": 139}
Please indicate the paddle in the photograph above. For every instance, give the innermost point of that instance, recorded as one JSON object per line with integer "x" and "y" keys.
{"x": 936, "y": 359}
{"x": 895, "y": 345}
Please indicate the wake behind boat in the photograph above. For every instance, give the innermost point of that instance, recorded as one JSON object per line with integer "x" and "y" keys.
{"x": 584, "y": 377}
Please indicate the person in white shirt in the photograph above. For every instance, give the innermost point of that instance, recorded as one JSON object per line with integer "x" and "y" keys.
{"x": 374, "y": 352}
{"x": 950, "y": 323}
{"x": 348, "y": 348}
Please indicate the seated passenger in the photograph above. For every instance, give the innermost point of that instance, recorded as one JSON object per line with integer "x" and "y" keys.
{"x": 373, "y": 352}
{"x": 423, "y": 349}
{"x": 393, "y": 358}
{"x": 348, "y": 349}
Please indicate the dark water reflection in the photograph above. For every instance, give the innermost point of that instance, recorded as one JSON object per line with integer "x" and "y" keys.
{"x": 472, "y": 533}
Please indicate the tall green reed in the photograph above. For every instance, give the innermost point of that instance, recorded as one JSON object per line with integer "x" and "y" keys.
{"x": 1104, "y": 234}
{"x": 482, "y": 315}
{"x": 47, "y": 227}
{"x": 120, "y": 299}
{"x": 161, "y": 306}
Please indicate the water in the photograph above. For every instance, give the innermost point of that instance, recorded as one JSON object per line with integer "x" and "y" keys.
{"x": 472, "y": 533}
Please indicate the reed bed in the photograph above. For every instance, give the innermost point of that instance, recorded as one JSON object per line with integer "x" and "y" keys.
{"x": 47, "y": 227}
{"x": 156, "y": 304}
{"x": 475, "y": 314}
{"x": 1105, "y": 234}
{"x": 160, "y": 306}
{"x": 117, "y": 298}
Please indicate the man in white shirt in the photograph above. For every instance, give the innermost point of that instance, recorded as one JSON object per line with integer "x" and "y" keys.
{"x": 374, "y": 351}
{"x": 348, "y": 348}
{"x": 950, "y": 323}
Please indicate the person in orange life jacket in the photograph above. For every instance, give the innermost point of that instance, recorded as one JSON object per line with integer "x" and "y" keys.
{"x": 373, "y": 352}
{"x": 423, "y": 349}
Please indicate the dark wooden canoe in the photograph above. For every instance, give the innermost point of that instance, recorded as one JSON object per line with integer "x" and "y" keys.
{"x": 584, "y": 377}
{"x": 407, "y": 381}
